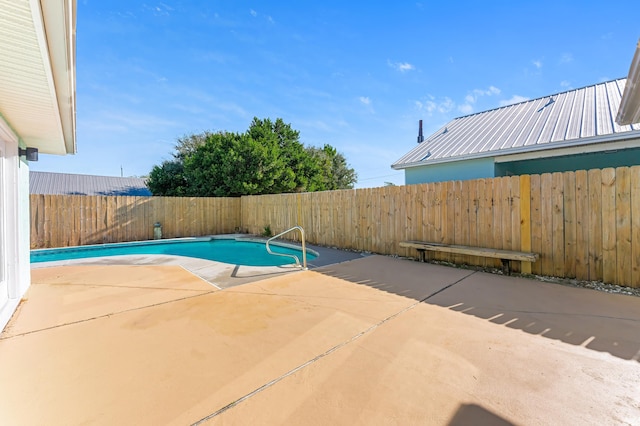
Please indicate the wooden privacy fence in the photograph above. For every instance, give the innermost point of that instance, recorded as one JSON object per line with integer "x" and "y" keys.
{"x": 71, "y": 220}
{"x": 584, "y": 225}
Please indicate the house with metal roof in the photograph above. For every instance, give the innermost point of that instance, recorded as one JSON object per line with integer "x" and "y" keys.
{"x": 568, "y": 131}
{"x": 37, "y": 115}
{"x": 73, "y": 184}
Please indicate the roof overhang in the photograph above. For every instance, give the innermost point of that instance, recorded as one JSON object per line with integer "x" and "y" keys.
{"x": 629, "y": 111}
{"x": 606, "y": 147}
{"x": 37, "y": 72}
{"x": 579, "y": 146}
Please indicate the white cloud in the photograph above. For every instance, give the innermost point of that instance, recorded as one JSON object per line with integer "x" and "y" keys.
{"x": 492, "y": 90}
{"x": 160, "y": 10}
{"x": 537, "y": 63}
{"x": 401, "y": 66}
{"x": 427, "y": 106}
{"x": 473, "y": 96}
{"x": 466, "y": 109}
{"x": 566, "y": 58}
{"x": 405, "y": 67}
{"x": 442, "y": 105}
{"x": 126, "y": 15}
{"x": 365, "y": 100}
{"x": 565, "y": 83}
{"x": 253, "y": 13}
{"x": 514, "y": 100}
{"x": 446, "y": 105}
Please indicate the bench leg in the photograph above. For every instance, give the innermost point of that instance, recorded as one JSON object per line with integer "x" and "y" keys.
{"x": 421, "y": 255}
{"x": 506, "y": 266}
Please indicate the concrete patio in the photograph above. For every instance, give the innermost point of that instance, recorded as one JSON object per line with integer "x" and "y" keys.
{"x": 374, "y": 340}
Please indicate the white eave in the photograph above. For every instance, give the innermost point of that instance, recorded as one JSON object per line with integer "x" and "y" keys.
{"x": 37, "y": 72}
{"x": 629, "y": 112}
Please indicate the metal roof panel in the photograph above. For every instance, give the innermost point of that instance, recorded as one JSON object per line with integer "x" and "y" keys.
{"x": 562, "y": 119}
{"x": 73, "y": 184}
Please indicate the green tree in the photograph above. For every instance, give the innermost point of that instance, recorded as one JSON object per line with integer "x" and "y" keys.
{"x": 167, "y": 179}
{"x": 232, "y": 164}
{"x": 187, "y": 144}
{"x": 334, "y": 170}
{"x": 267, "y": 159}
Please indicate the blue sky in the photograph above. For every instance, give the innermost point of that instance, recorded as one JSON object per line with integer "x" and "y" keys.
{"x": 356, "y": 75}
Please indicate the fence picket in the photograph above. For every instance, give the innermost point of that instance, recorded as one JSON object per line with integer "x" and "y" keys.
{"x": 595, "y": 224}
{"x": 609, "y": 225}
{"x": 623, "y": 226}
{"x": 582, "y": 225}
{"x": 635, "y": 226}
{"x": 569, "y": 207}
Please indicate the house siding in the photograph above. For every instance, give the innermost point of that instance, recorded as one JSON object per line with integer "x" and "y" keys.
{"x": 570, "y": 163}
{"x": 458, "y": 170}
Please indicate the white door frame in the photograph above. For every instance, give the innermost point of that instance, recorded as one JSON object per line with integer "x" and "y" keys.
{"x": 4, "y": 287}
{"x": 9, "y": 225}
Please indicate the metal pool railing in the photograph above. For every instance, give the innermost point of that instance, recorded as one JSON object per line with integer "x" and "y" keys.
{"x": 304, "y": 249}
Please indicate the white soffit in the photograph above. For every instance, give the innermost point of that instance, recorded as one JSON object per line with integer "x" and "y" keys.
{"x": 629, "y": 112}
{"x": 37, "y": 72}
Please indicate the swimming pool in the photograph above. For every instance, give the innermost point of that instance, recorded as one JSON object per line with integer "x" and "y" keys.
{"x": 233, "y": 251}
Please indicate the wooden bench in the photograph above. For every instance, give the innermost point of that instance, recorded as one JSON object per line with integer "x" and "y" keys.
{"x": 506, "y": 256}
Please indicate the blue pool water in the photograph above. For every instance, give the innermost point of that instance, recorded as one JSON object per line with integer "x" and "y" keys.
{"x": 249, "y": 253}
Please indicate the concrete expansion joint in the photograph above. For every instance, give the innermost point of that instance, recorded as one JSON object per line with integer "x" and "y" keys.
{"x": 448, "y": 286}
{"x": 322, "y": 355}
{"x": 106, "y": 315}
{"x": 135, "y": 287}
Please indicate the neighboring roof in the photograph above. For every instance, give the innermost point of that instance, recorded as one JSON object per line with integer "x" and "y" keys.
{"x": 576, "y": 117}
{"x": 629, "y": 112}
{"x": 37, "y": 72}
{"x": 68, "y": 184}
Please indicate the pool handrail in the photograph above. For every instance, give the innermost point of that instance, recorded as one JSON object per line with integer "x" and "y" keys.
{"x": 304, "y": 249}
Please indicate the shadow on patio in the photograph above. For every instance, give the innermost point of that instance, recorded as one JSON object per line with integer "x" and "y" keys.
{"x": 583, "y": 317}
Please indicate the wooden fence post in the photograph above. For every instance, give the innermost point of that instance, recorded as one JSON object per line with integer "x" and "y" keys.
{"x": 525, "y": 219}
